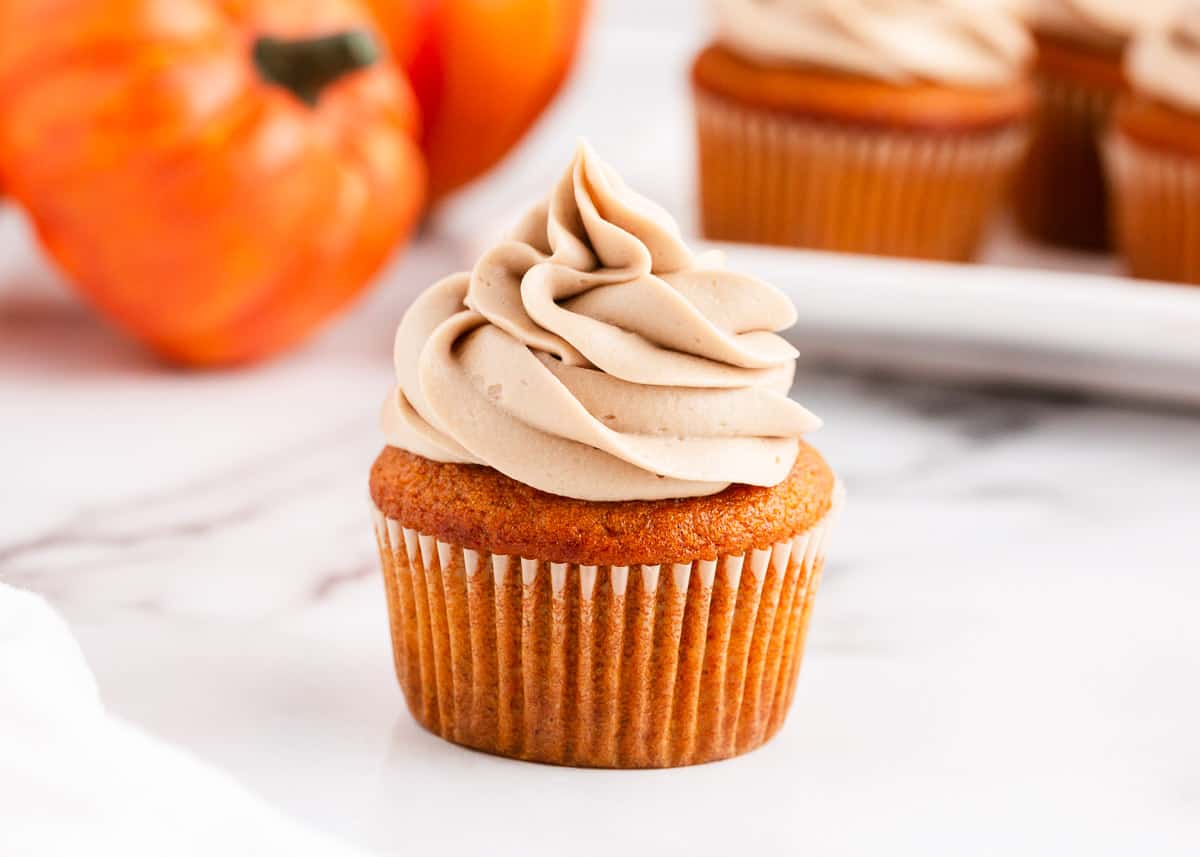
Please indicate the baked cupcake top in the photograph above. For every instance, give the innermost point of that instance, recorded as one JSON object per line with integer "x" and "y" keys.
{"x": 1164, "y": 61}
{"x": 1103, "y": 23}
{"x": 592, "y": 355}
{"x": 977, "y": 43}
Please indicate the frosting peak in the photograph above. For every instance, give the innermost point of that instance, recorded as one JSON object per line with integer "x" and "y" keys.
{"x": 591, "y": 355}
{"x": 1164, "y": 61}
{"x": 958, "y": 42}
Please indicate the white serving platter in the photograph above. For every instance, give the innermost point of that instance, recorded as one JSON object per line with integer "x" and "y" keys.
{"x": 996, "y": 322}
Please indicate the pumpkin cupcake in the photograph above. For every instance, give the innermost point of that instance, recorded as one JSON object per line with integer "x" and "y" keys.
{"x": 600, "y": 531}
{"x": 871, "y": 126}
{"x": 1154, "y": 153}
{"x": 1060, "y": 194}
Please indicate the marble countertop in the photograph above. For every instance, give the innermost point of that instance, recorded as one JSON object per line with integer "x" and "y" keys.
{"x": 1003, "y": 658}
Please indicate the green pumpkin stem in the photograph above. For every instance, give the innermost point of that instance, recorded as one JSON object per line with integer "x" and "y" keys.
{"x": 306, "y": 66}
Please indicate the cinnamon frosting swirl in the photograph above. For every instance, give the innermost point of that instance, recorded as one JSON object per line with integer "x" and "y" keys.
{"x": 958, "y": 42}
{"x": 1164, "y": 61}
{"x": 592, "y": 355}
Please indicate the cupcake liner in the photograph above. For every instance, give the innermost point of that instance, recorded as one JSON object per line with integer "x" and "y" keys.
{"x": 1060, "y": 194}
{"x": 599, "y": 666}
{"x": 1156, "y": 209}
{"x": 775, "y": 178}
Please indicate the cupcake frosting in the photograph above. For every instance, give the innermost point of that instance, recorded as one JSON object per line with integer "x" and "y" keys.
{"x": 1098, "y": 22}
{"x": 1164, "y": 61}
{"x": 592, "y": 355}
{"x": 958, "y": 42}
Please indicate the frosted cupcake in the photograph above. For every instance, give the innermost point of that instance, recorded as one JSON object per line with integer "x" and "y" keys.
{"x": 1154, "y": 153}
{"x": 890, "y": 127}
{"x": 600, "y": 531}
{"x": 1060, "y": 195}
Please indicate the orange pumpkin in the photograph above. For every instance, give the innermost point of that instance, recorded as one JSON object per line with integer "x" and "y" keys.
{"x": 408, "y": 26}
{"x": 216, "y": 176}
{"x": 483, "y": 71}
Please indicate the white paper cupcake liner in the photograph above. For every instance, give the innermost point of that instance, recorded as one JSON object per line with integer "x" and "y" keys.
{"x": 776, "y": 178}
{"x": 1156, "y": 216}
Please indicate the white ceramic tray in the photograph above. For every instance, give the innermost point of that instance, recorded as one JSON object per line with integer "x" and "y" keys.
{"x": 993, "y": 322}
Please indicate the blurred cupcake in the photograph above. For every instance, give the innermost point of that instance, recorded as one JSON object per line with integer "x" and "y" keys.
{"x": 1154, "y": 153}
{"x": 1060, "y": 194}
{"x": 888, "y": 127}
{"x": 600, "y": 532}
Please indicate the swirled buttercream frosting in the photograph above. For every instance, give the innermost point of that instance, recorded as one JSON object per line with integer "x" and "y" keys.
{"x": 1164, "y": 61}
{"x": 592, "y": 355}
{"x": 958, "y": 42}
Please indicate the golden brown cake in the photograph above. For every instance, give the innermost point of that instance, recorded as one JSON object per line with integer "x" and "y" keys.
{"x": 641, "y": 634}
{"x": 600, "y": 531}
{"x": 1060, "y": 194}
{"x": 1153, "y": 154}
{"x": 817, "y": 129}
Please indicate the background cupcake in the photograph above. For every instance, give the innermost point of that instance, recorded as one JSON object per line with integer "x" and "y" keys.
{"x": 888, "y": 127}
{"x": 600, "y": 532}
{"x": 1060, "y": 193}
{"x": 1154, "y": 153}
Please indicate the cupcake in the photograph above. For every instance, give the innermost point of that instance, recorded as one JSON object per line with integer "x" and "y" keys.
{"x": 890, "y": 128}
{"x": 1154, "y": 153}
{"x": 1060, "y": 194}
{"x": 600, "y": 531}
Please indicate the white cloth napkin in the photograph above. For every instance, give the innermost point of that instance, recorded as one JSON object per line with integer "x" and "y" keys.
{"x": 75, "y": 780}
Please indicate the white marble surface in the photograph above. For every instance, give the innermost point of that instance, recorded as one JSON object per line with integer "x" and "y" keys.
{"x": 1004, "y": 659}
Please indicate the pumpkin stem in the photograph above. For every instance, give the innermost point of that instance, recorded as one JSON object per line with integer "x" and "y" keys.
{"x": 307, "y": 66}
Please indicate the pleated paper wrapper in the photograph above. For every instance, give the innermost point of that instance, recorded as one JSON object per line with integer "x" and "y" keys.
{"x": 1156, "y": 217}
{"x": 775, "y": 178}
{"x": 599, "y": 666}
{"x": 1060, "y": 194}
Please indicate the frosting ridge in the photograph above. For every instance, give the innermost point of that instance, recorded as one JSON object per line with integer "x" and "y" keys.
{"x": 960, "y": 42}
{"x": 592, "y": 355}
{"x": 1164, "y": 61}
